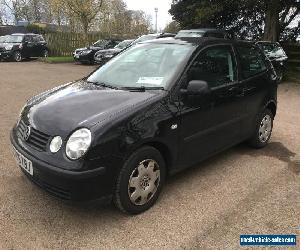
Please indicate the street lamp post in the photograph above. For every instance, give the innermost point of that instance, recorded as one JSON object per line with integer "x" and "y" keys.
{"x": 156, "y": 11}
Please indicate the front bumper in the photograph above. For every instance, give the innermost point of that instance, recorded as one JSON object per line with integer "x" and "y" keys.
{"x": 6, "y": 54}
{"x": 67, "y": 184}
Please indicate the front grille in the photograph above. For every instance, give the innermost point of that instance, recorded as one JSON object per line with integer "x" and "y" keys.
{"x": 2, "y": 49}
{"x": 33, "y": 137}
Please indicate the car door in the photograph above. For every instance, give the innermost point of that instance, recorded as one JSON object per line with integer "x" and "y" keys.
{"x": 27, "y": 49}
{"x": 212, "y": 121}
{"x": 258, "y": 83}
{"x": 36, "y": 48}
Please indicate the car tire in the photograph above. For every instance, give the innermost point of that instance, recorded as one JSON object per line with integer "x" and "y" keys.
{"x": 140, "y": 181}
{"x": 45, "y": 53}
{"x": 263, "y": 129}
{"x": 279, "y": 73}
{"x": 17, "y": 56}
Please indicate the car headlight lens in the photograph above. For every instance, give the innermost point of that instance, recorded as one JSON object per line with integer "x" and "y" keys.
{"x": 8, "y": 47}
{"x": 55, "y": 144}
{"x": 78, "y": 143}
{"x": 85, "y": 52}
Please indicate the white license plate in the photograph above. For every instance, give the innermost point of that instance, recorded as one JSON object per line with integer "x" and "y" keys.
{"x": 77, "y": 56}
{"x": 23, "y": 162}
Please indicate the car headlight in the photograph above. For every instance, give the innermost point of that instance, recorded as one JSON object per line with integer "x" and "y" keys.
{"x": 78, "y": 143}
{"x": 55, "y": 144}
{"x": 8, "y": 47}
{"x": 85, "y": 52}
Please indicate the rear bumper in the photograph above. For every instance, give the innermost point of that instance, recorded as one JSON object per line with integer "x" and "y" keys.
{"x": 67, "y": 184}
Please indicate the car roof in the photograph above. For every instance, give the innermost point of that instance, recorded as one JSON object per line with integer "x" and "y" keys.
{"x": 204, "y": 30}
{"x": 23, "y": 34}
{"x": 197, "y": 41}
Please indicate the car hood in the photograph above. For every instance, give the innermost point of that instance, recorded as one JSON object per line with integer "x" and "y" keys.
{"x": 81, "y": 104}
{"x": 2, "y": 45}
{"x": 109, "y": 51}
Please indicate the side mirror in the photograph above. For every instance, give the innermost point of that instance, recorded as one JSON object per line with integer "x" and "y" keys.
{"x": 196, "y": 87}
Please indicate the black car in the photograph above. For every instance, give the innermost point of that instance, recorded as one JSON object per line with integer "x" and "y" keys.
{"x": 102, "y": 56}
{"x": 19, "y": 46}
{"x": 86, "y": 55}
{"x": 205, "y": 32}
{"x": 277, "y": 56}
{"x": 154, "y": 110}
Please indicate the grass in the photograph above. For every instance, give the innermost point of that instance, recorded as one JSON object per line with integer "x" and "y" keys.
{"x": 58, "y": 59}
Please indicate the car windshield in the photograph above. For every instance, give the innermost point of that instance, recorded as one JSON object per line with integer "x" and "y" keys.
{"x": 100, "y": 43}
{"x": 272, "y": 49}
{"x": 143, "y": 66}
{"x": 187, "y": 33}
{"x": 123, "y": 45}
{"x": 14, "y": 39}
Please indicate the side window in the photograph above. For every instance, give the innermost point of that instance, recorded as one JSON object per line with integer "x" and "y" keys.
{"x": 28, "y": 39}
{"x": 252, "y": 60}
{"x": 215, "y": 65}
{"x": 36, "y": 39}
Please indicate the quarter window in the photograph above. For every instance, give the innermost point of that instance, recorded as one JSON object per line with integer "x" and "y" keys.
{"x": 252, "y": 61}
{"x": 215, "y": 65}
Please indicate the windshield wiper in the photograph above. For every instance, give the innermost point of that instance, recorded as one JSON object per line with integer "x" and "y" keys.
{"x": 105, "y": 85}
{"x": 142, "y": 88}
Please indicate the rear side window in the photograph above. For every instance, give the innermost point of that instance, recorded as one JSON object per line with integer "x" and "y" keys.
{"x": 215, "y": 65}
{"x": 251, "y": 59}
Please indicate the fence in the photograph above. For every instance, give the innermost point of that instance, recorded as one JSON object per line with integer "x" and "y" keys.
{"x": 293, "y": 52}
{"x": 64, "y": 43}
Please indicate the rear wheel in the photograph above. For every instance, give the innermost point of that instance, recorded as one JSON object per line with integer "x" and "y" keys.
{"x": 45, "y": 53}
{"x": 17, "y": 56}
{"x": 140, "y": 181}
{"x": 263, "y": 129}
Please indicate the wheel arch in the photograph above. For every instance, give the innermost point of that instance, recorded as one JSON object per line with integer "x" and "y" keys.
{"x": 271, "y": 105}
{"x": 164, "y": 150}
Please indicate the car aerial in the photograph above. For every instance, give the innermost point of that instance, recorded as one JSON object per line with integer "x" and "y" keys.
{"x": 18, "y": 46}
{"x": 86, "y": 55}
{"x": 150, "y": 112}
{"x": 102, "y": 56}
{"x": 205, "y": 32}
{"x": 277, "y": 56}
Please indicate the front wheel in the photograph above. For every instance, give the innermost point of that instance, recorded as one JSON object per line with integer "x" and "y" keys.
{"x": 140, "y": 181}
{"x": 263, "y": 129}
{"x": 17, "y": 56}
{"x": 279, "y": 73}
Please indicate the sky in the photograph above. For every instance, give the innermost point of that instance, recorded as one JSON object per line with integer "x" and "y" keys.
{"x": 148, "y": 6}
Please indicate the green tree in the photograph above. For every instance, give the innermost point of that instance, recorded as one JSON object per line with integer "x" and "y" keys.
{"x": 255, "y": 19}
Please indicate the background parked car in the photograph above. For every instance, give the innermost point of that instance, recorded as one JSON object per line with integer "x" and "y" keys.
{"x": 102, "y": 56}
{"x": 152, "y": 37}
{"x": 207, "y": 32}
{"x": 86, "y": 55}
{"x": 277, "y": 56}
{"x": 19, "y": 46}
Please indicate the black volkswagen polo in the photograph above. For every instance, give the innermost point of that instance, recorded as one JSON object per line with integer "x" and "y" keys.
{"x": 150, "y": 112}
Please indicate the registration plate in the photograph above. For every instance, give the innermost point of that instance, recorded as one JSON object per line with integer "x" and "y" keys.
{"x": 77, "y": 56}
{"x": 23, "y": 162}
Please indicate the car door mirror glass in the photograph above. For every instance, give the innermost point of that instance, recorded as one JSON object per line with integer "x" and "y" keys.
{"x": 196, "y": 87}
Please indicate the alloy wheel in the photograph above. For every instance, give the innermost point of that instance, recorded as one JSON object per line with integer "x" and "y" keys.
{"x": 265, "y": 128}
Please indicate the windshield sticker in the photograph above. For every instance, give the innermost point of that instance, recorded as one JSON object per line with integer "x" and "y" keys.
{"x": 150, "y": 80}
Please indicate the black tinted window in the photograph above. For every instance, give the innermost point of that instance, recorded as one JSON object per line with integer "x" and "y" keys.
{"x": 215, "y": 65}
{"x": 252, "y": 60}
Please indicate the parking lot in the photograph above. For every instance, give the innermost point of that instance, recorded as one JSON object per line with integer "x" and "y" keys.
{"x": 240, "y": 191}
